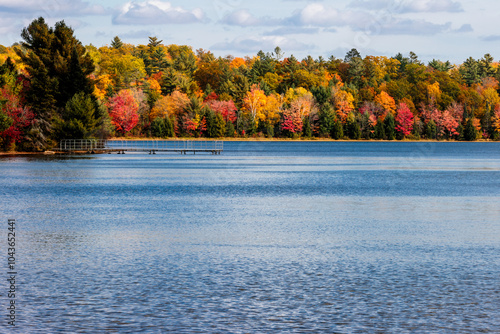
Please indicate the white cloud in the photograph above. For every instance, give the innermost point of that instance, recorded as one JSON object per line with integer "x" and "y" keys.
{"x": 292, "y": 31}
{"x": 491, "y": 38}
{"x": 50, "y": 8}
{"x": 410, "y": 27}
{"x": 319, "y": 15}
{"x": 244, "y": 18}
{"x": 253, "y": 45}
{"x": 10, "y": 31}
{"x": 137, "y": 34}
{"x": 464, "y": 28}
{"x": 156, "y": 12}
{"x": 414, "y": 6}
{"x": 432, "y": 6}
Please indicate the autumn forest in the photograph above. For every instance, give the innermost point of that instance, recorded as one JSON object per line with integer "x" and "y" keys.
{"x": 52, "y": 88}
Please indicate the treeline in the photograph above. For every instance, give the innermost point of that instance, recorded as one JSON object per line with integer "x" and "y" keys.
{"x": 53, "y": 88}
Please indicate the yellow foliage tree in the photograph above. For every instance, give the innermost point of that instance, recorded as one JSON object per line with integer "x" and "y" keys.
{"x": 490, "y": 97}
{"x": 254, "y": 104}
{"x": 154, "y": 86}
{"x": 272, "y": 108}
{"x": 496, "y": 119}
{"x": 344, "y": 103}
{"x": 433, "y": 92}
{"x": 386, "y": 102}
{"x": 374, "y": 68}
{"x": 169, "y": 105}
{"x": 102, "y": 83}
{"x": 293, "y": 94}
{"x": 272, "y": 80}
{"x": 391, "y": 66}
{"x": 237, "y": 62}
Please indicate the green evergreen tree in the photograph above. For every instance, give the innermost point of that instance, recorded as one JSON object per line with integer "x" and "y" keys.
{"x": 470, "y": 131}
{"x": 470, "y": 71}
{"x": 5, "y": 121}
{"x": 326, "y": 119}
{"x": 337, "y": 132}
{"x": 306, "y": 128}
{"x": 460, "y": 130}
{"x": 212, "y": 130}
{"x": 379, "y": 132}
{"x": 353, "y": 128}
{"x": 41, "y": 98}
{"x": 78, "y": 120}
{"x": 415, "y": 132}
{"x": 390, "y": 127}
{"x": 263, "y": 85}
{"x": 58, "y": 68}
{"x": 230, "y": 129}
{"x": 321, "y": 94}
{"x": 486, "y": 121}
{"x": 220, "y": 125}
{"x": 116, "y": 43}
{"x": 158, "y": 127}
{"x": 269, "y": 131}
{"x": 168, "y": 126}
{"x": 431, "y": 130}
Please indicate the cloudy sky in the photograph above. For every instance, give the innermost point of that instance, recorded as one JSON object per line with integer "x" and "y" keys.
{"x": 441, "y": 29}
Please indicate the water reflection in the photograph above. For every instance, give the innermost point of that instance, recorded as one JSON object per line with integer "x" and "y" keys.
{"x": 291, "y": 237}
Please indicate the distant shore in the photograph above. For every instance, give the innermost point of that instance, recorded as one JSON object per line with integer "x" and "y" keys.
{"x": 260, "y": 139}
{"x": 252, "y": 139}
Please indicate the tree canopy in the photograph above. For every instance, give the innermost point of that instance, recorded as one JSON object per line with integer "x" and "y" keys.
{"x": 54, "y": 88}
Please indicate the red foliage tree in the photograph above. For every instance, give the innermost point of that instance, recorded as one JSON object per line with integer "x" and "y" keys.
{"x": 430, "y": 113}
{"x": 292, "y": 122}
{"x": 404, "y": 119}
{"x": 457, "y": 111}
{"x": 123, "y": 110}
{"x": 211, "y": 96}
{"x": 447, "y": 124}
{"x": 22, "y": 117}
{"x": 226, "y": 108}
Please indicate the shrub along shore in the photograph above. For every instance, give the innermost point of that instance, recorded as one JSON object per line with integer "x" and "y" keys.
{"x": 52, "y": 87}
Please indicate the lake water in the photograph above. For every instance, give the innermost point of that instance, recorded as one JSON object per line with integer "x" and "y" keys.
{"x": 293, "y": 237}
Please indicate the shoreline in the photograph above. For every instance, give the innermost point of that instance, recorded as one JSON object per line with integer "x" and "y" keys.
{"x": 227, "y": 139}
{"x": 306, "y": 140}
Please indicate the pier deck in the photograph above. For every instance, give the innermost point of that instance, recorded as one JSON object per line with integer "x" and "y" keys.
{"x": 151, "y": 146}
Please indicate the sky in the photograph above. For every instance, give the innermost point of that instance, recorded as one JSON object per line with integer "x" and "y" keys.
{"x": 451, "y": 30}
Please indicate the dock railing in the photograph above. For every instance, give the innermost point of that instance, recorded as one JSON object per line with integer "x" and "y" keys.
{"x": 152, "y": 146}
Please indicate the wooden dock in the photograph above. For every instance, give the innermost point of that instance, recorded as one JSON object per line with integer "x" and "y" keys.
{"x": 95, "y": 146}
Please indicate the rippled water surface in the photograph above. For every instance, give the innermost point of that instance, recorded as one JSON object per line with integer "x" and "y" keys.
{"x": 295, "y": 237}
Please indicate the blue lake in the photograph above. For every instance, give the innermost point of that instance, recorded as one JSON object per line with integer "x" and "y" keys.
{"x": 292, "y": 237}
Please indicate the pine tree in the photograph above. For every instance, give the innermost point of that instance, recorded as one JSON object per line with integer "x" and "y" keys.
{"x": 116, "y": 43}
{"x": 78, "y": 121}
{"x": 337, "y": 132}
{"x": 431, "y": 130}
{"x": 230, "y": 129}
{"x": 168, "y": 127}
{"x": 5, "y": 121}
{"x": 353, "y": 128}
{"x": 58, "y": 68}
{"x": 158, "y": 127}
{"x": 211, "y": 123}
{"x": 390, "y": 127}
{"x": 379, "y": 132}
{"x": 326, "y": 119}
{"x": 470, "y": 131}
{"x": 220, "y": 125}
{"x": 307, "y": 131}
